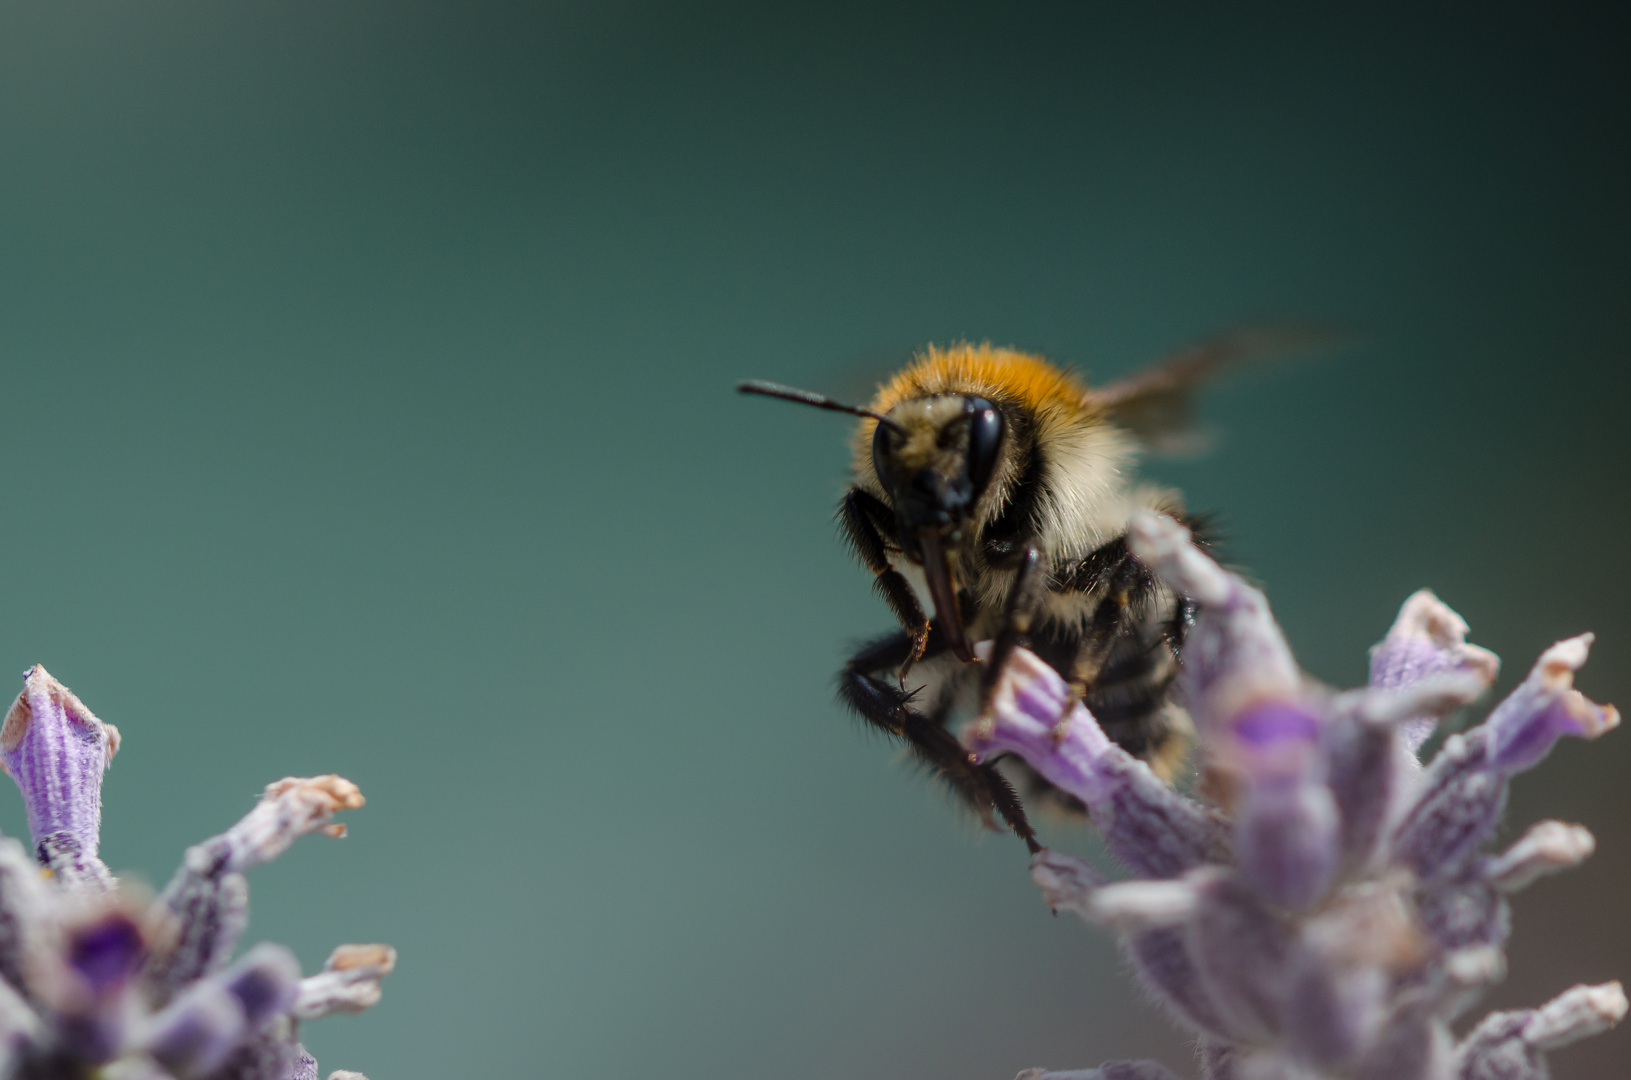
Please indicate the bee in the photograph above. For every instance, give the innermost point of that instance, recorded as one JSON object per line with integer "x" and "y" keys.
{"x": 992, "y": 488}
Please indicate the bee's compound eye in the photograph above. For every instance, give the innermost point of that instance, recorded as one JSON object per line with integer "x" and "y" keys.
{"x": 883, "y": 457}
{"x": 984, "y": 438}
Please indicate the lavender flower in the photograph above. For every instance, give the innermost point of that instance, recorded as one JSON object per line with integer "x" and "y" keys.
{"x": 97, "y": 980}
{"x": 1325, "y": 908}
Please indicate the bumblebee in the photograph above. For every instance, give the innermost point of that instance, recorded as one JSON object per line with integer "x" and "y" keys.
{"x": 992, "y": 489}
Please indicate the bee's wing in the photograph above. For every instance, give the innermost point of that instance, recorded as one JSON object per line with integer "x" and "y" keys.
{"x": 859, "y": 377}
{"x": 1156, "y": 403}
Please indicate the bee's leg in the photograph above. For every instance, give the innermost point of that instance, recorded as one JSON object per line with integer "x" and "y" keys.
{"x": 890, "y": 709}
{"x": 858, "y": 516}
{"x": 1124, "y": 666}
{"x": 1125, "y": 582}
{"x": 892, "y": 650}
{"x": 1025, "y": 599}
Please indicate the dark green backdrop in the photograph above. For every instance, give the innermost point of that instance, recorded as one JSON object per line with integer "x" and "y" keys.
{"x": 366, "y": 374}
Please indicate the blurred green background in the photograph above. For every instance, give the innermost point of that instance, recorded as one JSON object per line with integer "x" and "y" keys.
{"x": 367, "y": 373}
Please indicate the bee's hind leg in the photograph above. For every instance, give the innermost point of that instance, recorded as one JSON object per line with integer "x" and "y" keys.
{"x": 1126, "y": 582}
{"x": 890, "y": 709}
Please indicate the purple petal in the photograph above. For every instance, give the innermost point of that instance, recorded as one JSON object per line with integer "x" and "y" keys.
{"x": 1456, "y": 807}
{"x": 1343, "y": 970}
{"x": 56, "y": 750}
{"x": 1427, "y": 639}
{"x": 1240, "y": 947}
{"x": 1370, "y": 767}
{"x": 1269, "y": 726}
{"x": 88, "y": 987}
{"x": 1288, "y": 839}
{"x": 1464, "y": 788}
{"x": 1366, "y": 769}
{"x": 1148, "y": 826}
{"x": 1160, "y": 956}
{"x": 1167, "y": 969}
{"x": 197, "y": 1031}
{"x": 107, "y": 952}
{"x": 266, "y": 982}
{"x": 1331, "y": 1016}
{"x": 214, "y": 1018}
{"x": 1235, "y": 653}
{"x": 1545, "y": 708}
{"x": 211, "y": 905}
{"x": 273, "y": 1053}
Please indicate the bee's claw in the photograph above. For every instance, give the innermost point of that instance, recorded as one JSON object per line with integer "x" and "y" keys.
{"x": 920, "y": 642}
{"x": 1061, "y": 726}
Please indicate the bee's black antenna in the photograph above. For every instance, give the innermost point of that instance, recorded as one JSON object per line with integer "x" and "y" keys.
{"x": 820, "y": 401}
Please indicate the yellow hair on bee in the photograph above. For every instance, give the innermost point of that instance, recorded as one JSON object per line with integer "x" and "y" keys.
{"x": 1086, "y": 497}
{"x": 980, "y": 369}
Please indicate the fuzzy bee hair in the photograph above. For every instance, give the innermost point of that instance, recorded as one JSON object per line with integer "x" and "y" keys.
{"x": 1064, "y": 477}
{"x": 992, "y": 489}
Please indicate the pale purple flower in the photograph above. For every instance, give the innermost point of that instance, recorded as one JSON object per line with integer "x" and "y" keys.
{"x": 1324, "y": 908}
{"x": 97, "y": 980}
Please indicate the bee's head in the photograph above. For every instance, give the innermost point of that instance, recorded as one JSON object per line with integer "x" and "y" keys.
{"x": 934, "y": 457}
{"x": 935, "y": 460}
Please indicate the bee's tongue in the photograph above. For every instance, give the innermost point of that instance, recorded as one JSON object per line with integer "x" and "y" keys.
{"x": 943, "y": 591}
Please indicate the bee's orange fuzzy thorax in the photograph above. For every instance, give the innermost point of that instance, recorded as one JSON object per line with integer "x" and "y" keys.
{"x": 992, "y": 373}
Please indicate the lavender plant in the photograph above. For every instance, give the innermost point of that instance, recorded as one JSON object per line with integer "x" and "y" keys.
{"x": 1324, "y": 907}
{"x": 99, "y": 980}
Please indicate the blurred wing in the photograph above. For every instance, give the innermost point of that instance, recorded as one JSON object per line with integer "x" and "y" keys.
{"x": 859, "y": 378}
{"x": 1157, "y": 404}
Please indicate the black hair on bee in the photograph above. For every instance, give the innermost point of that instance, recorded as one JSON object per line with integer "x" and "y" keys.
{"x": 992, "y": 488}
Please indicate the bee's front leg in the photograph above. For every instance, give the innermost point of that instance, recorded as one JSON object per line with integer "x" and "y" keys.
{"x": 858, "y": 516}
{"x": 980, "y": 786}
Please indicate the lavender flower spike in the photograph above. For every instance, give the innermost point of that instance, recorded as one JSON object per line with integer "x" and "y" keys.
{"x": 1327, "y": 912}
{"x": 56, "y": 750}
{"x": 103, "y": 983}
